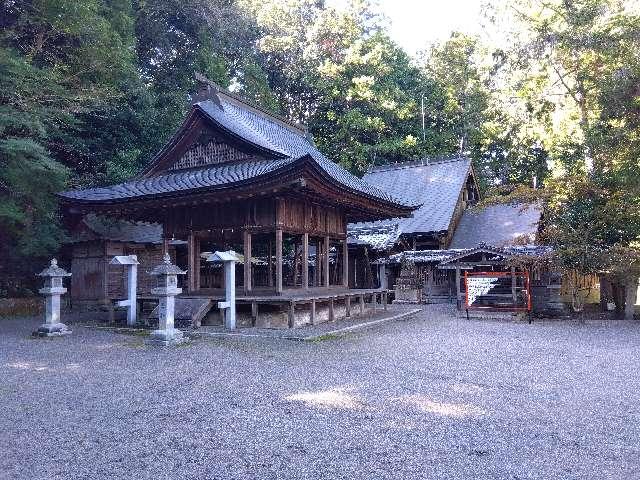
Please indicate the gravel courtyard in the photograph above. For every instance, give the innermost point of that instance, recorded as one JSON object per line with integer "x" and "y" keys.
{"x": 429, "y": 397}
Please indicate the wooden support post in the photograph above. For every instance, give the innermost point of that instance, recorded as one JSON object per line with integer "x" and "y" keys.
{"x": 305, "y": 261}
{"x": 513, "y": 285}
{"x": 247, "y": 262}
{"x": 345, "y": 263}
{"x": 196, "y": 262}
{"x": 332, "y": 313}
{"x": 317, "y": 277}
{"x": 458, "y": 292}
{"x": 429, "y": 286}
{"x": 254, "y": 313}
{"x": 313, "y": 312}
{"x": 326, "y": 261}
{"x": 361, "y": 300}
{"x": 279, "y": 261}
{"x": 374, "y": 301}
{"x": 191, "y": 262}
{"x": 384, "y": 300}
{"x": 270, "y": 266}
{"x": 292, "y": 314}
{"x": 347, "y": 306}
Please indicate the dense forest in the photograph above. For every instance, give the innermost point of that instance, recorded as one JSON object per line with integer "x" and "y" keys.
{"x": 92, "y": 88}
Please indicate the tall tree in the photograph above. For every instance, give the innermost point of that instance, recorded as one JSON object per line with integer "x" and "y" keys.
{"x": 370, "y": 110}
{"x": 578, "y": 60}
{"x": 61, "y": 65}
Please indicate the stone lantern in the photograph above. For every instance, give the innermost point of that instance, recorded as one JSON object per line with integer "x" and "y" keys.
{"x": 166, "y": 288}
{"x": 52, "y": 290}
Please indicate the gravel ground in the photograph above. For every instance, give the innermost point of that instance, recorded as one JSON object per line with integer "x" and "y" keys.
{"x": 430, "y": 397}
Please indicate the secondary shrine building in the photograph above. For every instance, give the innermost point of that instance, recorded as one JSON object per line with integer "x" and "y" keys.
{"x": 232, "y": 177}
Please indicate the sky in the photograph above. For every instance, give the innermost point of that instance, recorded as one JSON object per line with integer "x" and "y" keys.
{"x": 416, "y": 24}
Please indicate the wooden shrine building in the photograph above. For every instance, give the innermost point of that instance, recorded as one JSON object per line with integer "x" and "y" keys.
{"x": 237, "y": 177}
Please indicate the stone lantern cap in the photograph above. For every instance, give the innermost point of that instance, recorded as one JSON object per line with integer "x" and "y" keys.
{"x": 167, "y": 268}
{"x": 54, "y": 270}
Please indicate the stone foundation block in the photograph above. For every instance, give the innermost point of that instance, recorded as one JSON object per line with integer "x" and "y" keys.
{"x": 52, "y": 330}
{"x": 166, "y": 338}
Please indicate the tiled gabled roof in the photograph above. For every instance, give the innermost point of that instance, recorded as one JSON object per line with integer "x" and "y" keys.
{"x": 378, "y": 237}
{"x": 96, "y": 227}
{"x": 435, "y": 185}
{"x": 284, "y": 144}
{"x": 497, "y": 225}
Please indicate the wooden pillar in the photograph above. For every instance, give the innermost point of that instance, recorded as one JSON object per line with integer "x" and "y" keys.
{"x": 513, "y": 285}
{"x": 305, "y": 261}
{"x": 247, "y": 262}
{"x": 384, "y": 300}
{"x": 361, "y": 300}
{"x": 313, "y": 312}
{"x": 270, "y": 267}
{"x": 325, "y": 262}
{"x": 374, "y": 301}
{"x": 458, "y": 293}
{"x": 254, "y": 313}
{"x": 292, "y": 314}
{"x": 191, "y": 262}
{"x": 317, "y": 271}
{"x": 279, "y": 261}
{"x": 347, "y": 307}
{"x": 196, "y": 262}
{"x": 345, "y": 263}
{"x": 332, "y": 313}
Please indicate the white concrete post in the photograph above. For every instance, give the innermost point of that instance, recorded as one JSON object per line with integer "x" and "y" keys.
{"x": 230, "y": 294}
{"x": 382, "y": 274}
{"x": 131, "y": 263}
{"x": 52, "y": 290}
{"x": 228, "y": 307}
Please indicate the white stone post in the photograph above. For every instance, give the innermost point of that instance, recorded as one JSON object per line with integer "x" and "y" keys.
{"x": 228, "y": 307}
{"x": 52, "y": 290}
{"x": 382, "y": 274}
{"x": 131, "y": 264}
{"x": 166, "y": 289}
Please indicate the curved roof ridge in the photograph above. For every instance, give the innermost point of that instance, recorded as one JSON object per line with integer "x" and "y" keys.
{"x": 424, "y": 162}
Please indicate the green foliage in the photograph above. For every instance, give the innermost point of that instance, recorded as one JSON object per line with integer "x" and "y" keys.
{"x": 370, "y": 109}
{"x": 93, "y": 88}
{"x": 29, "y": 175}
{"x": 576, "y": 66}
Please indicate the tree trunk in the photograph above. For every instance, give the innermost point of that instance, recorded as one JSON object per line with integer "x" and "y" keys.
{"x": 631, "y": 291}
{"x": 617, "y": 292}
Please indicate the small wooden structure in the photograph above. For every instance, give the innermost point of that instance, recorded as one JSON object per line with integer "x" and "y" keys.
{"x": 235, "y": 177}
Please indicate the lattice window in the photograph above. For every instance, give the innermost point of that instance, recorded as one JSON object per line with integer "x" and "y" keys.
{"x": 212, "y": 152}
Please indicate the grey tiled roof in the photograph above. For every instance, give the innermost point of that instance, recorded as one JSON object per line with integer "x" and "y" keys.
{"x": 436, "y": 186}
{"x": 495, "y": 253}
{"x": 378, "y": 237}
{"x": 497, "y": 225}
{"x": 102, "y": 227}
{"x": 285, "y": 144}
{"x": 180, "y": 180}
{"x": 425, "y": 256}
